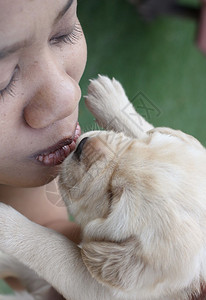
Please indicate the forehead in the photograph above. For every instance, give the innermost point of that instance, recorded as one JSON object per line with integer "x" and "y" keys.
{"x": 23, "y": 18}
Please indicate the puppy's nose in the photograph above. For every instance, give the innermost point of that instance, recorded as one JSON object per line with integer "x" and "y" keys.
{"x": 79, "y": 149}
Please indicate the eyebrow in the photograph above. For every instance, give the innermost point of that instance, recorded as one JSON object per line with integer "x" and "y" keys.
{"x": 22, "y": 44}
{"x": 64, "y": 10}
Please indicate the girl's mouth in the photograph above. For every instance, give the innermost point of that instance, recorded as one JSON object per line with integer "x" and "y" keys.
{"x": 56, "y": 154}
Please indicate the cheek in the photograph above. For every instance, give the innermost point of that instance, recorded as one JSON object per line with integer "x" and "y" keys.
{"x": 8, "y": 130}
{"x": 75, "y": 59}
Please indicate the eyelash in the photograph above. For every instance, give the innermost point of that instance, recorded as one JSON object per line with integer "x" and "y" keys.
{"x": 9, "y": 89}
{"x": 71, "y": 38}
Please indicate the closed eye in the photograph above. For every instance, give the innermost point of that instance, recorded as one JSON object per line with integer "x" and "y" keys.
{"x": 9, "y": 89}
{"x": 70, "y": 38}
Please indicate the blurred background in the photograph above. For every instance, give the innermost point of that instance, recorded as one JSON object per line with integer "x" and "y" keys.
{"x": 149, "y": 46}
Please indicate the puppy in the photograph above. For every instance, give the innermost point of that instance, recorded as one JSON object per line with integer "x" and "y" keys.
{"x": 138, "y": 193}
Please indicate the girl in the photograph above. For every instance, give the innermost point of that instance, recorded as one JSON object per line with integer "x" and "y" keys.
{"x": 42, "y": 58}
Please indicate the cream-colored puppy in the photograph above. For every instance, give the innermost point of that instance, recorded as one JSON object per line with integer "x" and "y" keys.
{"x": 139, "y": 195}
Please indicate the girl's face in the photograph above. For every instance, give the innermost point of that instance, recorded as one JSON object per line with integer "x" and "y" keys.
{"x": 42, "y": 58}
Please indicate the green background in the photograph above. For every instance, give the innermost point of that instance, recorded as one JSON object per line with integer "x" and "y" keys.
{"x": 158, "y": 58}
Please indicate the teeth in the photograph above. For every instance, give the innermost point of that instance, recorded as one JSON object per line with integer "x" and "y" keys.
{"x": 46, "y": 160}
{"x": 59, "y": 155}
{"x": 40, "y": 157}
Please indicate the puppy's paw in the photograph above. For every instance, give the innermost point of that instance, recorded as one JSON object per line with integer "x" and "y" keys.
{"x": 106, "y": 100}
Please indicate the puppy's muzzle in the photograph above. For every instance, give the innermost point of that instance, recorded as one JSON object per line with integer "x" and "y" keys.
{"x": 79, "y": 149}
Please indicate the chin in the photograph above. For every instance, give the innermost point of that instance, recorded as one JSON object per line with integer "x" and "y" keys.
{"x": 41, "y": 178}
{"x": 32, "y": 178}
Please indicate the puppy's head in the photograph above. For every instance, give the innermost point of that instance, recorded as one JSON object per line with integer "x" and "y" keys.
{"x": 136, "y": 201}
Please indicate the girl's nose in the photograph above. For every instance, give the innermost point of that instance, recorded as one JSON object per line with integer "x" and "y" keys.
{"x": 56, "y": 98}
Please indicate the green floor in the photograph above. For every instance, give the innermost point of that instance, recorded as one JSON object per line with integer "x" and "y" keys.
{"x": 159, "y": 59}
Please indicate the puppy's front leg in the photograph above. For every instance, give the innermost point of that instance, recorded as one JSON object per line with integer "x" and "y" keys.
{"x": 51, "y": 255}
{"x": 17, "y": 296}
{"x": 109, "y": 104}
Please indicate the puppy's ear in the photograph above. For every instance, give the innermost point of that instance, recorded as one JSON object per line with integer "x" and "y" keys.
{"x": 114, "y": 264}
{"x": 178, "y": 134}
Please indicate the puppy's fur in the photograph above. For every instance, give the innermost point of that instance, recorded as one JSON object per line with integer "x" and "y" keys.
{"x": 139, "y": 195}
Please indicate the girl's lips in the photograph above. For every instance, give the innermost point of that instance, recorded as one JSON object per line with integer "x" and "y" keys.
{"x": 56, "y": 154}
